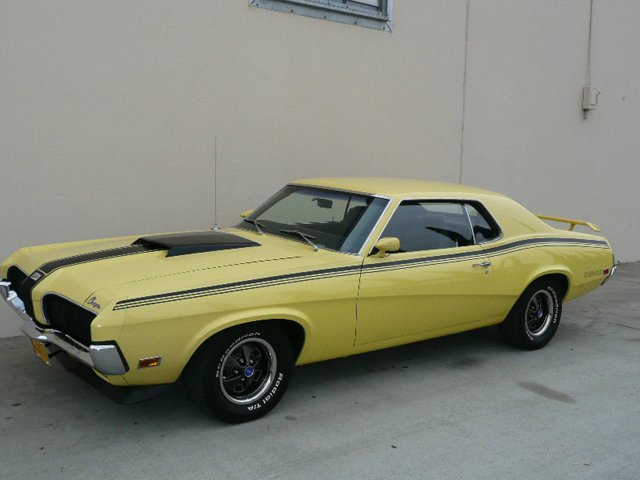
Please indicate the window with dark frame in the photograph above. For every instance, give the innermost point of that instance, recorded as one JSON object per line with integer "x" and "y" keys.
{"x": 375, "y": 14}
{"x": 431, "y": 225}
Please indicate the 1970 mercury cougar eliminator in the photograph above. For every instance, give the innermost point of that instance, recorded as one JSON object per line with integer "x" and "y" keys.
{"x": 325, "y": 268}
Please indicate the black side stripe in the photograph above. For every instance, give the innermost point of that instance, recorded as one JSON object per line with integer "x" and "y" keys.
{"x": 349, "y": 270}
{"x": 543, "y": 240}
{"x": 242, "y": 285}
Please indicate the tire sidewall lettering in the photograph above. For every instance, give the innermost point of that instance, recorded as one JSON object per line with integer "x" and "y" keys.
{"x": 556, "y": 305}
{"x": 204, "y": 376}
{"x": 270, "y": 395}
{"x": 555, "y": 315}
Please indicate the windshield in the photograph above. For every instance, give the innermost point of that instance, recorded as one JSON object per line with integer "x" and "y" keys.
{"x": 338, "y": 221}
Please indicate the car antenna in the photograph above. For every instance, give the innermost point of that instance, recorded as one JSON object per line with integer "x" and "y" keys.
{"x": 215, "y": 183}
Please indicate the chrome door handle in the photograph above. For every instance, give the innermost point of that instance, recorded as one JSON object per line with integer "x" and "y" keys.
{"x": 483, "y": 264}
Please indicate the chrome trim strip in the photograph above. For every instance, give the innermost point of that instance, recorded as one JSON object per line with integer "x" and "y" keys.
{"x": 465, "y": 206}
{"x": 611, "y": 274}
{"x": 59, "y": 339}
{"x": 493, "y": 217}
{"x": 12, "y": 299}
{"x": 462, "y": 200}
{"x": 499, "y": 237}
{"x": 375, "y": 227}
{"x": 107, "y": 359}
{"x": 5, "y": 288}
{"x": 465, "y": 201}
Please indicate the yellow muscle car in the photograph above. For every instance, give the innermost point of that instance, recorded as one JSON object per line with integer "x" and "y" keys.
{"x": 325, "y": 268}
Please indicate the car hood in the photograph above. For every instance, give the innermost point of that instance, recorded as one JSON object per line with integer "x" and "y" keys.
{"x": 136, "y": 266}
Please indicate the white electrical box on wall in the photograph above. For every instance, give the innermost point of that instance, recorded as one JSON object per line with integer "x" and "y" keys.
{"x": 589, "y": 98}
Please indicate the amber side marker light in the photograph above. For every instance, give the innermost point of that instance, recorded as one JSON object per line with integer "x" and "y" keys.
{"x": 149, "y": 362}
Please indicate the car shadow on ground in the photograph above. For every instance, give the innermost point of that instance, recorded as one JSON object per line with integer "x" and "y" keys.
{"x": 52, "y": 397}
{"x": 458, "y": 352}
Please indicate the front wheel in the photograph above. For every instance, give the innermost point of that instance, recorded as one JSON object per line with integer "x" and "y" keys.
{"x": 240, "y": 374}
{"x": 535, "y": 317}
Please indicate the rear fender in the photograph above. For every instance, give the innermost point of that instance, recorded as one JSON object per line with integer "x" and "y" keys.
{"x": 556, "y": 270}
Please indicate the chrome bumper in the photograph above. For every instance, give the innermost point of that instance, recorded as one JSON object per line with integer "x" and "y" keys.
{"x": 104, "y": 358}
{"x": 611, "y": 274}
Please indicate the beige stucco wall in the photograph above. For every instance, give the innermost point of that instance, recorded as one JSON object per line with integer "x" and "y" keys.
{"x": 524, "y": 131}
{"x": 109, "y": 111}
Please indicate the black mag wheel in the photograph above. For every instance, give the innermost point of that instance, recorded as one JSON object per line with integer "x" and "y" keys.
{"x": 248, "y": 370}
{"x": 240, "y": 374}
{"x": 534, "y": 319}
{"x": 539, "y": 313}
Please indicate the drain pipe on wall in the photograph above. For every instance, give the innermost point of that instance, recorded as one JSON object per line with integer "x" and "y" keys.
{"x": 590, "y": 94}
{"x": 464, "y": 89}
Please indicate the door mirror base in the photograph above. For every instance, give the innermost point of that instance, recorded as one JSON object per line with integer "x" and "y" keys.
{"x": 386, "y": 245}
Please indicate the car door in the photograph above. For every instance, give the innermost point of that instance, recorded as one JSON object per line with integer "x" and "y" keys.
{"x": 439, "y": 279}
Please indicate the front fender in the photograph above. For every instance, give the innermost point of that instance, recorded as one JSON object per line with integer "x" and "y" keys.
{"x": 248, "y": 316}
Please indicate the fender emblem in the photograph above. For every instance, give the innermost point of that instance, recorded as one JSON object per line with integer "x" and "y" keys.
{"x": 93, "y": 303}
{"x": 36, "y": 276}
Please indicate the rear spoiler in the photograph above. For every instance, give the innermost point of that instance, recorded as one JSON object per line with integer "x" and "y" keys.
{"x": 570, "y": 221}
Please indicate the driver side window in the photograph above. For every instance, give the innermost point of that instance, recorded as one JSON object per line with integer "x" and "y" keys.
{"x": 429, "y": 225}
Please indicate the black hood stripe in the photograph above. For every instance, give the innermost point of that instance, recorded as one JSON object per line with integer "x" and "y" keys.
{"x": 54, "y": 265}
{"x": 189, "y": 242}
{"x": 175, "y": 244}
{"x": 351, "y": 270}
{"x": 27, "y": 286}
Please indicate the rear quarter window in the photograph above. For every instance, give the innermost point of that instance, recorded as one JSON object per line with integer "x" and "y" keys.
{"x": 485, "y": 228}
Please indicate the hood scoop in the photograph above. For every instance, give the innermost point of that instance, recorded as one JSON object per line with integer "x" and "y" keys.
{"x": 194, "y": 242}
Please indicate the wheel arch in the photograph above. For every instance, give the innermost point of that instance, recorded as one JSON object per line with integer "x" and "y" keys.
{"x": 293, "y": 329}
{"x": 561, "y": 277}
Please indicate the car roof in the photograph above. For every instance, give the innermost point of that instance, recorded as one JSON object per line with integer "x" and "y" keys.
{"x": 393, "y": 186}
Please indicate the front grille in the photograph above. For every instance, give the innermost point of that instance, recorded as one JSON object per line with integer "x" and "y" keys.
{"x": 26, "y": 289}
{"x": 15, "y": 276}
{"x": 22, "y": 285}
{"x": 68, "y": 317}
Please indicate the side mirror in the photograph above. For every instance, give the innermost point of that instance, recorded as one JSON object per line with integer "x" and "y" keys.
{"x": 246, "y": 213}
{"x": 387, "y": 245}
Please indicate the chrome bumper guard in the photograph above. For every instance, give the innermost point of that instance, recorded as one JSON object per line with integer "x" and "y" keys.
{"x": 104, "y": 358}
{"x": 611, "y": 274}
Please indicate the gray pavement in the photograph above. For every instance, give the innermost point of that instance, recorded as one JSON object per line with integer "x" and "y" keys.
{"x": 460, "y": 407}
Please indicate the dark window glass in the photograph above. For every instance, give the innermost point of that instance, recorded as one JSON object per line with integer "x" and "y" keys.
{"x": 484, "y": 227}
{"x": 430, "y": 225}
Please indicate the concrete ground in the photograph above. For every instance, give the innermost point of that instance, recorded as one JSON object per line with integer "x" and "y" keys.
{"x": 459, "y": 407}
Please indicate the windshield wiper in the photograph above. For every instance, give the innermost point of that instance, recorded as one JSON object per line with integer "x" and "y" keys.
{"x": 256, "y": 224}
{"x": 306, "y": 237}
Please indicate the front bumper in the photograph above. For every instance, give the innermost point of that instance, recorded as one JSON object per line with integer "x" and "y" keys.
{"x": 105, "y": 358}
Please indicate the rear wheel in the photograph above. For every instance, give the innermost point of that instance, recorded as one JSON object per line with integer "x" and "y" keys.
{"x": 535, "y": 317}
{"x": 242, "y": 373}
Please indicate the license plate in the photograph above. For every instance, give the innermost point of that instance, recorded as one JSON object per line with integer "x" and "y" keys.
{"x": 40, "y": 350}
